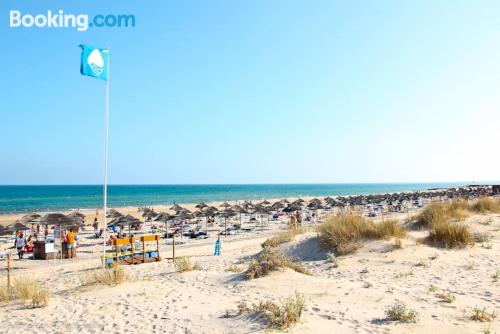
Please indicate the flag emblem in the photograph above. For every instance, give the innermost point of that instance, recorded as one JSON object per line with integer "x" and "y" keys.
{"x": 94, "y": 62}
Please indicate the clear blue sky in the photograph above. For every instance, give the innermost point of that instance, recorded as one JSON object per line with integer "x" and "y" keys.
{"x": 256, "y": 92}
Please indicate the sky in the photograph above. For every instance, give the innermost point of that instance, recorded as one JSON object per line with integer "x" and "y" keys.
{"x": 256, "y": 92}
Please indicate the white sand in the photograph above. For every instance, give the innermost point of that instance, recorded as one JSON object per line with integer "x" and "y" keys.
{"x": 159, "y": 300}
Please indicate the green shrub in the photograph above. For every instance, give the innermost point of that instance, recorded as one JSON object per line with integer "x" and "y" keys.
{"x": 400, "y": 312}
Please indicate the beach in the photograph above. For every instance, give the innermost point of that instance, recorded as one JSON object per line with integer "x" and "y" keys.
{"x": 348, "y": 297}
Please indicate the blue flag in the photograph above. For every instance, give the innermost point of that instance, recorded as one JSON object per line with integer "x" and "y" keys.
{"x": 94, "y": 62}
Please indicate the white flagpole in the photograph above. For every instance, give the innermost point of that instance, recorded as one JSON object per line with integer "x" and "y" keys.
{"x": 105, "y": 185}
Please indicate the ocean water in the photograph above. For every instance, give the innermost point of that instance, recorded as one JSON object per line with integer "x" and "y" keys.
{"x": 50, "y": 198}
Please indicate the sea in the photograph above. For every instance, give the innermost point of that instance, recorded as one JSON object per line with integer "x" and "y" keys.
{"x": 26, "y": 198}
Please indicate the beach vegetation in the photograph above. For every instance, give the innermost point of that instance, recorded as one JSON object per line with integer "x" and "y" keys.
{"x": 183, "y": 264}
{"x": 389, "y": 228}
{"x": 400, "y": 312}
{"x": 31, "y": 293}
{"x": 481, "y": 237}
{"x": 234, "y": 268}
{"x": 404, "y": 274}
{"x": 332, "y": 258}
{"x": 482, "y": 315}
{"x": 270, "y": 260}
{"x": 486, "y": 205}
{"x": 343, "y": 234}
{"x": 446, "y": 297}
{"x": 111, "y": 277}
{"x": 450, "y": 235}
{"x": 282, "y": 315}
{"x": 496, "y": 276}
{"x": 285, "y": 314}
{"x": 283, "y": 237}
{"x": 6, "y": 294}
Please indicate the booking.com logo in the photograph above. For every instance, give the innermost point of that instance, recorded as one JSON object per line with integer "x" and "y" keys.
{"x": 81, "y": 22}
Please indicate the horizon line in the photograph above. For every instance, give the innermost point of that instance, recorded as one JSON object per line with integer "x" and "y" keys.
{"x": 487, "y": 182}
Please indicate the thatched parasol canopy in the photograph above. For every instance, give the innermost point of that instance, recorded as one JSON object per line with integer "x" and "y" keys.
{"x": 114, "y": 214}
{"x": 201, "y": 205}
{"x": 58, "y": 219}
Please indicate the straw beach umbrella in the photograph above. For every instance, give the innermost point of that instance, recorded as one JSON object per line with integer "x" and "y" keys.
{"x": 30, "y": 217}
{"x": 77, "y": 215}
{"x": 17, "y": 226}
{"x": 200, "y": 205}
{"x": 57, "y": 219}
{"x": 176, "y": 207}
{"x": 114, "y": 214}
{"x": 226, "y": 214}
{"x": 5, "y": 231}
{"x": 277, "y": 205}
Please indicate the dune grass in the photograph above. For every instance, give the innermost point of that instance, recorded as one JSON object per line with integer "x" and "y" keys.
{"x": 284, "y": 315}
{"x": 111, "y": 277}
{"x": 342, "y": 234}
{"x": 389, "y": 228}
{"x": 271, "y": 260}
{"x": 183, "y": 264}
{"x": 234, "y": 269}
{"x": 450, "y": 235}
{"x": 486, "y": 205}
{"x": 436, "y": 213}
{"x": 283, "y": 237}
{"x": 6, "y": 294}
{"x": 446, "y": 297}
{"x": 441, "y": 219}
{"x": 458, "y": 209}
{"x": 280, "y": 316}
{"x": 480, "y": 314}
{"x": 28, "y": 291}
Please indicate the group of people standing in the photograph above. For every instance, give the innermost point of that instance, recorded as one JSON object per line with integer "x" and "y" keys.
{"x": 22, "y": 244}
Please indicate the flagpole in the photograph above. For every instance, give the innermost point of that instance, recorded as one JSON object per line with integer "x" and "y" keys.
{"x": 105, "y": 185}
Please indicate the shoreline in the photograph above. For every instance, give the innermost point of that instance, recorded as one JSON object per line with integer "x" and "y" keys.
{"x": 21, "y": 199}
{"x": 90, "y": 213}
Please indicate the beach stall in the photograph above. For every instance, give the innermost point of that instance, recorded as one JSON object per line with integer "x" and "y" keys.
{"x": 57, "y": 246}
{"x": 134, "y": 250}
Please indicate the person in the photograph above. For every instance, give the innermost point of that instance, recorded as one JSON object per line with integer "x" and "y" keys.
{"x": 95, "y": 225}
{"x": 70, "y": 243}
{"x": 19, "y": 244}
{"x": 46, "y": 231}
{"x": 218, "y": 246}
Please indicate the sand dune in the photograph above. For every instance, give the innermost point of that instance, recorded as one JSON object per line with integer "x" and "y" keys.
{"x": 350, "y": 298}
